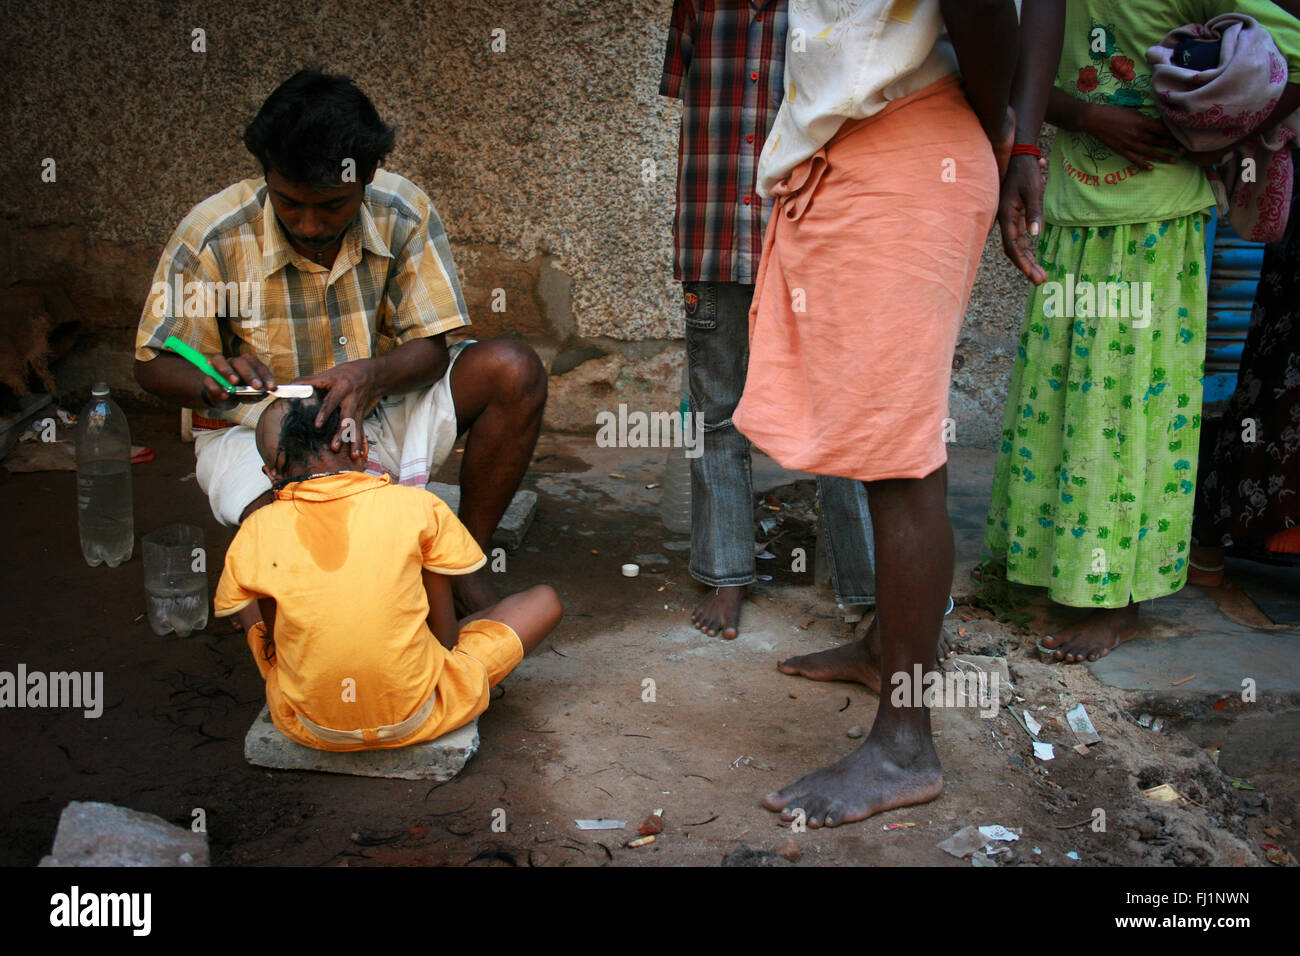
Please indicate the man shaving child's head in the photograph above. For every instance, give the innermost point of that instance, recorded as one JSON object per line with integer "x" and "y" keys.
{"x": 293, "y": 447}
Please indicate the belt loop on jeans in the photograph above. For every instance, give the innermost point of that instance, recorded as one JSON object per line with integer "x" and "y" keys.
{"x": 373, "y": 735}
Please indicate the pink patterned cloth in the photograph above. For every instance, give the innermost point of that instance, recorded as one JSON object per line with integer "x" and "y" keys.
{"x": 1212, "y": 109}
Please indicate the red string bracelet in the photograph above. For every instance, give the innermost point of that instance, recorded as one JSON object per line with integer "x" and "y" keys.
{"x": 1026, "y": 149}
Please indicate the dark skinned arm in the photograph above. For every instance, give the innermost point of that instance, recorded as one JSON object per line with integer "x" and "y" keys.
{"x": 1042, "y": 33}
{"x": 1145, "y": 139}
{"x": 267, "y": 607}
{"x": 1020, "y": 208}
{"x": 442, "y": 612}
{"x": 351, "y": 386}
{"x": 261, "y": 648}
{"x": 173, "y": 379}
{"x": 979, "y": 30}
{"x": 1141, "y": 139}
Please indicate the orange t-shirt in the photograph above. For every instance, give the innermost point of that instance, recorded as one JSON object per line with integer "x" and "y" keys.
{"x": 341, "y": 556}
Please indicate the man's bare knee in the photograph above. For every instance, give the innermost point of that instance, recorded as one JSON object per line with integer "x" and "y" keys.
{"x": 519, "y": 374}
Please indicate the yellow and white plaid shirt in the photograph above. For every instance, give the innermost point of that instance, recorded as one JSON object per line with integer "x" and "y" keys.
{"x": 229, "y": 282}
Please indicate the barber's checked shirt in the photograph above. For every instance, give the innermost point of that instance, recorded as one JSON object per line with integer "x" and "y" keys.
{"x": 726, "y": 62}
{"x": 229, "y": 282}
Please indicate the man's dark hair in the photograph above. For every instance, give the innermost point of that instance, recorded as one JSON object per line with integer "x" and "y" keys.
{"x": 300, "y": 439}
{"x": 312, "y": 123}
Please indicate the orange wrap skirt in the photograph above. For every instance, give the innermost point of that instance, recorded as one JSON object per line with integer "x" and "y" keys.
{"x": 868, "y": 262}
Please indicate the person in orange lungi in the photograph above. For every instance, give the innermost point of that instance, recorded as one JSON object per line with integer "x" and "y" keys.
{"x": 886, "y": 181}
{"x": 359, "y": 643}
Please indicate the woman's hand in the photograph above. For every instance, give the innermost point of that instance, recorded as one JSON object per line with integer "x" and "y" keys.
{"x": 1134, "y": 135}
{"x": 1020, "y": 214}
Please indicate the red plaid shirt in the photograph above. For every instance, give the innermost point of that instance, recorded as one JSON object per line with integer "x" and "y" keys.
{"x": 726, "y": 63}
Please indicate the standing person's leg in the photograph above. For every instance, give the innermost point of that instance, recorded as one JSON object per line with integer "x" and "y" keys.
{"x": 859, "y": 385}
{"x": 722, "y": 506}
{"x": 1247, "y": 461}
{"x": 897, "y": 764}
{"x": 1057, "y": 467}
{"x": 1128, "y": 443}
{"x": 850, "y": 541}
{"x": 851, "y": 553}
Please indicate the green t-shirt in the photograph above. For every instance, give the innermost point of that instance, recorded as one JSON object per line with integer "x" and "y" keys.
{"x": 1103, "y": 60}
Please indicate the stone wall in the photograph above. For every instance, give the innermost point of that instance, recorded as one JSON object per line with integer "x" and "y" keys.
{"x": 534, "y": 157}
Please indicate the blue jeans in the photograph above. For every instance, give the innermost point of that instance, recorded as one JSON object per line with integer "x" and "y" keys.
{"x": 722, "y": 498}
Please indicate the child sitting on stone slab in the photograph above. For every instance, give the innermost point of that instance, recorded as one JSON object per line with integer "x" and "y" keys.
{"x": 359, "y": 643}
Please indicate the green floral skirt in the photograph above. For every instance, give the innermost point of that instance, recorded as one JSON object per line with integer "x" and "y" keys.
{"x": 1096, "y": 467}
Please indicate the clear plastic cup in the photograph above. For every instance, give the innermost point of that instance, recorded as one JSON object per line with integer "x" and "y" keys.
{"x": 176, "y": 579}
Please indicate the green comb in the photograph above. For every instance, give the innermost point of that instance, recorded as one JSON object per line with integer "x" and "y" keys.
{"x": 195, "y": 358}
{"x": 244, "y": 391}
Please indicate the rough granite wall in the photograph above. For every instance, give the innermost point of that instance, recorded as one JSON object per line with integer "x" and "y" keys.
{"x": 534, "y": 157}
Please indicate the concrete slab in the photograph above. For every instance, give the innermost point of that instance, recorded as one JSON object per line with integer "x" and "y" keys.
{"x": 1274, "y": 589}
{"x": 439, "y": 759}
{"x": 101, "y": 834}
{"x": 514, "y": 523}
{"x": 1180, "y": 635}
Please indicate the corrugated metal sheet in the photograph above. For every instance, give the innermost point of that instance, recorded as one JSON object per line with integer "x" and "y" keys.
{"x": 1233, "y": 265}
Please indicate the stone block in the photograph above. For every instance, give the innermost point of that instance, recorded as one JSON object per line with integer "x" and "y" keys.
{"x": 439, "y": 759}
{"x": 101, "y": 834}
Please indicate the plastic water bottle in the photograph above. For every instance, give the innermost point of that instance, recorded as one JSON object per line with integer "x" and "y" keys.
{"x": 675, "y": 506}
{"x": 104, "y": 512}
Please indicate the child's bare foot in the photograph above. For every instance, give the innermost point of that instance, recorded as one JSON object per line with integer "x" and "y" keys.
{"x": 720, "y": 612}
{"x": 858, "y": 661}
{"x": 471, "y": 593}
{"x": 1095, "y": 636}
{"x": 887, "y": 771}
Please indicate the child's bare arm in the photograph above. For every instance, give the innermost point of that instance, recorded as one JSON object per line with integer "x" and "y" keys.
{"x": 262, "y": 642}
{"x": 442, "y": 612}
{"x": 267, "y": 607}
{"x": 1139, "y": 138}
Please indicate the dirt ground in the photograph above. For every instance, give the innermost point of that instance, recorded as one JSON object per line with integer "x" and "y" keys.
{"x": 571, "y": 734}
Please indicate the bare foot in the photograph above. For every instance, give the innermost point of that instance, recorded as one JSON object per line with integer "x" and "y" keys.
{"x": 720, "y": 612}
{"x": 471, "y": 593}
{"x": 1095, "y": 636}
{"x": 887, "y": 771}
{"x": 1205, "y": 566}
{"x": 858, "y": 661}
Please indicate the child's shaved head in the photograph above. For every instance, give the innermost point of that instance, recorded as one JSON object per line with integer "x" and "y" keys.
{"x": 268, "y": 429}
{"x": 287, "y": 436}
